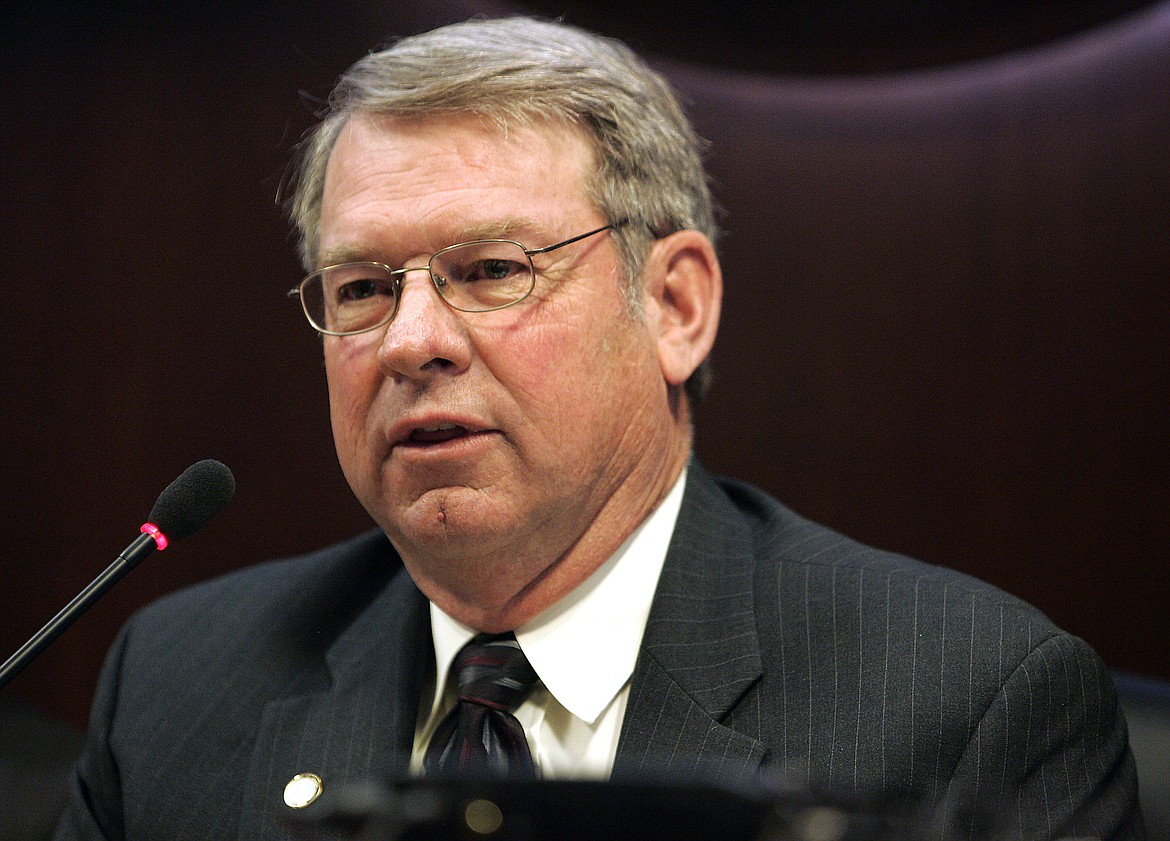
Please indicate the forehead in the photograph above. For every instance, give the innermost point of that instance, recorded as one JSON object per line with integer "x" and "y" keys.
{"x": 452, "y": 175}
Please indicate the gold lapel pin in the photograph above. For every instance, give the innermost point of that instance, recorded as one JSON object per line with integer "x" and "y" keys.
{"x": 302, "y": 790}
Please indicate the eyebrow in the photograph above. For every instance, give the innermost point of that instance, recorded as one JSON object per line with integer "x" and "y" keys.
{"x": 505, "y": 228}
{"x": 343, "y": 254}
{"x": 500, "y": 228}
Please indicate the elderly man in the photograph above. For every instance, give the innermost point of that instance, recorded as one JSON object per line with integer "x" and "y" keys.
{"x": 509, "y": 241}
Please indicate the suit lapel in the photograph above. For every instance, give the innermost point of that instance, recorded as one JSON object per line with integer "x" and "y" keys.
{"x": 351, "y": 714}
{"x": 700, "y": 654}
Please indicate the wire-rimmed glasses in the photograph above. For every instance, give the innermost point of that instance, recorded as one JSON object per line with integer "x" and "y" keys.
{"x": 477, "y": 276}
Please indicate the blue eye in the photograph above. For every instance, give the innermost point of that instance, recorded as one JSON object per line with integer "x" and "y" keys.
{"x": 493, "y": 269}
{"x": 357, "y": 290}
{"x": 360, "y": 289}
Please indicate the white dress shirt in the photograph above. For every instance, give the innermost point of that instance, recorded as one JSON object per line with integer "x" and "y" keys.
{"x": 583, "y": 649}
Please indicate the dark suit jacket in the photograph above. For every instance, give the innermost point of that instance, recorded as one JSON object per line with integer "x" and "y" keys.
{"x": 772, "y": 642}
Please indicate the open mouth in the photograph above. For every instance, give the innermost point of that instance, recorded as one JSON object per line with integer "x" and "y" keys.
{"x": 436, "y": 434}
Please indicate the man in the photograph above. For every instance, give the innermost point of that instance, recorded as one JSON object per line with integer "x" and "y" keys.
{"x": 510, "y": 250}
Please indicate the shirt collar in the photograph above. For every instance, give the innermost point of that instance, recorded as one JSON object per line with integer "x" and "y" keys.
{"x": 584, "y": 647}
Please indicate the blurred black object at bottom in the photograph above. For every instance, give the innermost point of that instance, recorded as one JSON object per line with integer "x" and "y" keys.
{"x": 560, "y": 810}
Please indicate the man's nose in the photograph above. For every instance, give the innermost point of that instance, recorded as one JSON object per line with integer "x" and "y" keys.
{"x": 426, "y": 336}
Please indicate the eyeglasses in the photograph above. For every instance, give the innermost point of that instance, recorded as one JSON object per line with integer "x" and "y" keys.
{"x": 478, "y": 276}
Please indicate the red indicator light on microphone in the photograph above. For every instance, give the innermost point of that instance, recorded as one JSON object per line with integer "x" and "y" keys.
{"x": 160, "y": 539}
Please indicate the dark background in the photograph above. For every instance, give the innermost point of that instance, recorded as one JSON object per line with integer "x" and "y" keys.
{"x": 948, "y": 288}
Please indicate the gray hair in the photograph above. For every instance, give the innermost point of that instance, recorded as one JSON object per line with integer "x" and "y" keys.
{"x": 519, "y": 70}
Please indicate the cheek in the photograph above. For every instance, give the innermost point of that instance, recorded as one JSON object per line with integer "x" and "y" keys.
{"x": 545, "y": 369}
{"x": 351, "y": 389}
{"x": 568, "y": 375}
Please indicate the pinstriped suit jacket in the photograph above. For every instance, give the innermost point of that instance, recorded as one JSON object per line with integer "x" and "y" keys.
{"x": 772, "y": 643}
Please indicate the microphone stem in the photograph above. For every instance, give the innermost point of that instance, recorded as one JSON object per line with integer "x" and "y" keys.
{"x": 133, "y": 555}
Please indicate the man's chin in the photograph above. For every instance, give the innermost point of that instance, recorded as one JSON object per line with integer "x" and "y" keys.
{"x": 448, "y": 521}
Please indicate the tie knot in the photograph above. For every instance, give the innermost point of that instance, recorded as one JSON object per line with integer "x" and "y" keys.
{"x": 492, "y": 670}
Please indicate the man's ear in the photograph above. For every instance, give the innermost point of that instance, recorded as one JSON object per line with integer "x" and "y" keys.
{"x": 684, "y": 292}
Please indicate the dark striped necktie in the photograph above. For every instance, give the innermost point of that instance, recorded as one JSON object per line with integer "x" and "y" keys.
{"x": 481, "y": 736}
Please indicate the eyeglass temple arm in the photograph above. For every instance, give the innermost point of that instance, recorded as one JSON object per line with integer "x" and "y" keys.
{"x": 555, "y": 246}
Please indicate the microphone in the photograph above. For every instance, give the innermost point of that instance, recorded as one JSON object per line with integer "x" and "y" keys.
{"x": 184, "y": 507}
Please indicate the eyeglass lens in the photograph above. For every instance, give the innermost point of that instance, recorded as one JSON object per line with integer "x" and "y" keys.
{"x": 473, "y": 276}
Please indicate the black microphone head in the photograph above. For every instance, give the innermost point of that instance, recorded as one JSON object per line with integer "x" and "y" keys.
{"x": 195, "y": 497}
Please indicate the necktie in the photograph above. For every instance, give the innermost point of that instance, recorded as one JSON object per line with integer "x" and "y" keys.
{"x": 480, "y": 735}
